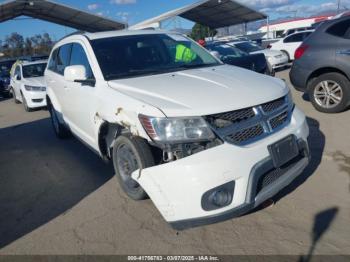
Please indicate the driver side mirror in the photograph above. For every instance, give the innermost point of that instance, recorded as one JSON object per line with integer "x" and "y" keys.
{"x": 77, "y": 73}
{"x": 18, "y": 77}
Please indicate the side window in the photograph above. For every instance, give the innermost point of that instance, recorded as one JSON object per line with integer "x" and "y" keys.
{"x": 53, "y": 60}
{"x": 78, "y": 57}
{"x": 294, "y": 38}
{"x": 18, "y": 71}
{"x": 63, "y": 57}
{"x": 339, "y": 29}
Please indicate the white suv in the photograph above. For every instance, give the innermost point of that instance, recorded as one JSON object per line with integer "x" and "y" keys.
{"x": 205, "y": 141}
{"x": 28, "y": 84}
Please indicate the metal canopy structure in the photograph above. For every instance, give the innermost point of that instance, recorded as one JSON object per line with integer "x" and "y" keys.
{"x": 211, "y": 13}
{"x": 59, "y": 14}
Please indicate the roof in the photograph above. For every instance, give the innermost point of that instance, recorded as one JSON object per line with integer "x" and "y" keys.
{"x": 59, "y": 14}
{"x": 211, "y": 13}
{"x": 316, "y": 18}
{"x": 24, "y": 63}
{"x": 99, "y": 35}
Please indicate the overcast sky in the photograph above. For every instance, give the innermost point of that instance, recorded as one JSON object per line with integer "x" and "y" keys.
{"x": 133, "y": 11}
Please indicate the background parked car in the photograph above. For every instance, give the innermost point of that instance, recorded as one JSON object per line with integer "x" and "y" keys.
{"x": 5, "y": 67}
{"x": 234, "y": 56}
{"x": 289, "y": 44}
{"x": 276, "y": 59}
{"x": 322, "y": 66}
{"x": 28, "y": 85}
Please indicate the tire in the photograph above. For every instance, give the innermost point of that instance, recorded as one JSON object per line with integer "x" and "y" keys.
{"x": 287, "y": 54}
{"x": 133, "y": 153}
{"x": 25, "y": 105}
{"x": 61, "y": 131}
{"x": 336, "y": 99}
{"x": 14, "y": 96}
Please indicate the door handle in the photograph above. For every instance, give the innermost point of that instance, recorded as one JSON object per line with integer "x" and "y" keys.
{"x": 344, "y": 52}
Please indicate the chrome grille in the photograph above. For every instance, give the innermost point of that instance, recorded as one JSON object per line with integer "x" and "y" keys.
{"x": 246, "y": 134}
{"x": 279, "y": 120}
{"x": 245, "y": 126}
{"x": 273, "y": 105}
{"x": 232, "y": 116}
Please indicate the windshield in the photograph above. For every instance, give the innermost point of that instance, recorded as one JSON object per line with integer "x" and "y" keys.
{"x": 35, "y": 70}
{"x": 248, "y": 47}
{"x": 139, "y": 55}
{"x": 5, "y": 68}
{"x": 4, "y": 74}
{"x": 228, "y": 51}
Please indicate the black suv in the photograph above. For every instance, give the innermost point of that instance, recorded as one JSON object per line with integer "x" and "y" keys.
{"x": 5, "y": 67}
{"x": 322, "y": 66}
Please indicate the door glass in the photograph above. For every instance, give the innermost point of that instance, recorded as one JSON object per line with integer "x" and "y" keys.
{"x": 18, "y": 72}
{"x": 53, "y": 60}
{"x": 63, "y": 58}
{"x": 78, "y": 57}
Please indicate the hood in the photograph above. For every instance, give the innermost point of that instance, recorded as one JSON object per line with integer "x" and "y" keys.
{"x": 202, "y": 91}
{"x": 34, "y": 81}
{"x": 268, "y": 52}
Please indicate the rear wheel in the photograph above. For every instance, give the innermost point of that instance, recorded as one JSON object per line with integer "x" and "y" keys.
{"x": 61, "y": 130}
{"x": 129, "y": 155}
{"x": 330, "y": 93}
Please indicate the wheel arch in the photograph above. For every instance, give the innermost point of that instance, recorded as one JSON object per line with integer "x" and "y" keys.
{"x": 107, "y": 133}
{"x": 322, "y": 71}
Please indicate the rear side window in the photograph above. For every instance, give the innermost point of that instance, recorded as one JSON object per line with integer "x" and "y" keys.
{"x": 294, "y": 38}
{"x": 78, "y": 57}
{"x": 63, "y": 58}
{"x": 52, "y": 63}
{"x": 339, "y": 29}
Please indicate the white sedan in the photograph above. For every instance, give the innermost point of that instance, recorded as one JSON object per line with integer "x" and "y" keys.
{"x": 290, "y": 43}
{"x": 28, "y": 84}
{"x": 276, "y": 59}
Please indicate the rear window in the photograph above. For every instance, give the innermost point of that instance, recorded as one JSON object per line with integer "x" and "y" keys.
{"x": 339, "y": 29}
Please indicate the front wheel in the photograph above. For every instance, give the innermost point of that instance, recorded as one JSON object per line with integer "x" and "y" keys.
{"x": 61, "y": 130}
{"x": 25, "y": 105}
{"x": 12, "y": 91}
{"x": 330, "y": 93}
{"x": 130, "y": 154}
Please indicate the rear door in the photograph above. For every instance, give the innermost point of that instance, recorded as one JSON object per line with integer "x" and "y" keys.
{"x": 342, "y": 31}
{"x": 16, "y": 81}
{"x": 54, "y": 76}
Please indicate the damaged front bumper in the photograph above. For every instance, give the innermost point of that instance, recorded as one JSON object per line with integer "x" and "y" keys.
{"x": 179, "y": 188}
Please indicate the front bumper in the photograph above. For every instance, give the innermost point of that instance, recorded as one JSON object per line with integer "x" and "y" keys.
{"x": 177, "y": 188}
{"x": 35, "y": 99}
{"x": 277, "y": 63}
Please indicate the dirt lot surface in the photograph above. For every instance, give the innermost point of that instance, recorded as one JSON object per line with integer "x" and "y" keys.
{"x": 58, "y": 197}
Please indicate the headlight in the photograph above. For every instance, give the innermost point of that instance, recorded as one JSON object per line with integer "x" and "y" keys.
{"x": 35, "y": 88}
{"x": 174, "y": 130}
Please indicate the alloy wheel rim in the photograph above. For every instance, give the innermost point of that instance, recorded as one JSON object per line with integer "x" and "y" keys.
{"x": 127, "y": 163}
{"x": 328, "y": 94}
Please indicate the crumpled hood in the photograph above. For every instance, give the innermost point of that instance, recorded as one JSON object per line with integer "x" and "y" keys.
{"x": 34, "y": 81}
{"x": 202, "y": 91}
{"x": 268, "y": 52}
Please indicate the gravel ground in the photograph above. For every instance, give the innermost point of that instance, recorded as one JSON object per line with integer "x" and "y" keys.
{"x": 57, "y": 197}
